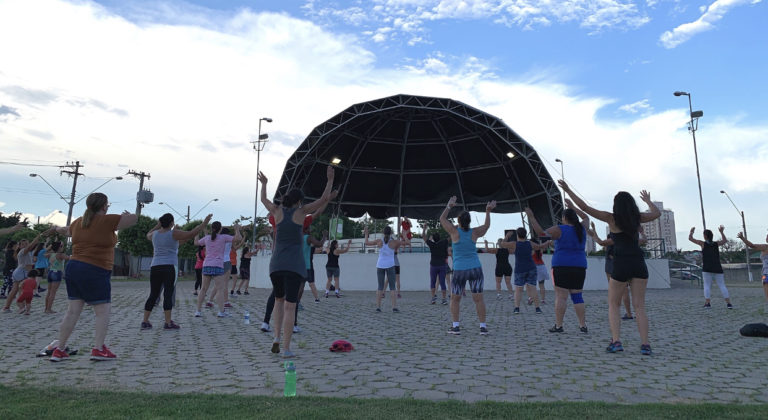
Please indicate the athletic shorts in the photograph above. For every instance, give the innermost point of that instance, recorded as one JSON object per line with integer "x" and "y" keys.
{"x": 528, "y": 277}
{"x": 227, "y": 266}
{"x": 628, "y": 268}
{"x": 88, "y": 282}
{"x": 213, "y": 271}
{"x": 333, "y": 272}
{"x": 233, "y": 270}
{"x": 286, "y": 284}
{"x": 542, "y": 274}
{"x": 19, "y": 274}
{"x": 609, "y": 265}
{"x": 503, "y": 270}
{"x": 310, "y": 275}
{"x": 473, "y": 276}
{"x": 569, "y": 277}
{"x": 245, "y": 273}
{"x": 54, "y": 276}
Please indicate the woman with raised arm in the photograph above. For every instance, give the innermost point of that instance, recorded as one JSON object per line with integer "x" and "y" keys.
{"x": 438, "y": 266}
{"x": 163, "y": 269}
{"x": 56, "y": 261}
{"x": 216, "y": 253}
{"x": 25, "y": 262}
{"x": 763, "y": 248}
{"x": 607, "y": 244}
{"x": 628, "y": 262}
{"x": 466, "y": 264}
{"x": 89, "y": 270}
{"x": 711, "y": 268}
{"x": 332, "y": 269}
{"x": 569, "y": 262}
{"x": 287, "y": 268}
{"x": 503, "y": 268}
{"x": 385, "y": 265}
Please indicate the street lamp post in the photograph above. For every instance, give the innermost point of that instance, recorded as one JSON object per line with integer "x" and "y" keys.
{"x": 562, "y": 169}
{"x": 744, "y": 229}
{"x": 71, "y": 202}
{"x": 258, "y": 146}
{"x": 692, "y": 127}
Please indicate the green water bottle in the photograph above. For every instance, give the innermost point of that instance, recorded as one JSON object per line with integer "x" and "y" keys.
{"x": 290, "y": 380}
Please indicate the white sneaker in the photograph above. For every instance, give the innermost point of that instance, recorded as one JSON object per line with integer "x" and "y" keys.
{"x": 198, "y": 314}
{"x": 224, "y": 315}
{"x": 265, "y": 327}
{"x": 296, "y": 329}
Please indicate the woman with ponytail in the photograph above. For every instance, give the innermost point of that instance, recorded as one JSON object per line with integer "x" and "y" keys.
{"x": 287, "y": 267}
{"x": 88, "y": 272}
{"x": 216, "y": 253}
{"x": 466, "y": 264}
{"x": 628, "y": 261}
{"x": 569, "y": 262}
{"x": 385, "y": 265}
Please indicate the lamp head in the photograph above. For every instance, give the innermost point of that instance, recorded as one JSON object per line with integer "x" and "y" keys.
{"x": 215, "y": 199}
{"x": 269, "y": 120}
{"x": 161, "y": 203}
{"x": 118, "y": 178}
{"x": 263, "y": 136}
{"x": 697, "y": 114}
{"x": 558, "y": 160}
{"x": 722, "y": 191}
{"x": 33, "y": 175}
{"x": 680, "y": 93}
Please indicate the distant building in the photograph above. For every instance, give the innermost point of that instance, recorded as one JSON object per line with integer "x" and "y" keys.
{"x": 661, "y": 232}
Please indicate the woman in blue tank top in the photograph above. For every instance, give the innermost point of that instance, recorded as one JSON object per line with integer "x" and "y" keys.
{"x": 628, "y": 262}
{"x": 466, "y": 264}
{"x": 287, "y": 268}
{"x": 569, "y": 262}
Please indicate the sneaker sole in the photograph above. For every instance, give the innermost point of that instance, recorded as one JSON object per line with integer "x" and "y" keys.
{"x": 102, "y": 358}
{"x": 58, "y": 359}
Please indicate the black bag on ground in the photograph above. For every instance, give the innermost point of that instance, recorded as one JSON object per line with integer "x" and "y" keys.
{"x": 754, "y": 330}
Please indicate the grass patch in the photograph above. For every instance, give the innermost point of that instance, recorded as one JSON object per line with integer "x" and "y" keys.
{"x": 67, "y": 403}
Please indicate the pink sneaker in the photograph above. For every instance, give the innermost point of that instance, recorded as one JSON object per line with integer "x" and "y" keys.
{"x": 227, "y": 305}
{"x": 59, "y": 355}
{"x": 209, "y": 304}
{"x": 103, "y": 354}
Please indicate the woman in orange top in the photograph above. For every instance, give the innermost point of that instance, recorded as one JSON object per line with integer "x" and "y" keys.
{"x": 88, "y": 273}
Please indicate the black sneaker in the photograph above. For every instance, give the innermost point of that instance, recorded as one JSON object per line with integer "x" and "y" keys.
{"x": 41, "y": 289}
{"x": 455, "y": 331}
{"x": 239, "y": 292}
{"x": 707, "y": 305}
{"x": 146, "y": 326}
{"x": 395, "y": 310}
{"x": 538, "y": 311}
{"x": 584, "y": 329}
{"x": 556, "y": 329}
{"x": 516, "y": 311}
{"x": 483, "y": 331}
{"x": 378, "y": 309}
{"x": 729, "y": 306}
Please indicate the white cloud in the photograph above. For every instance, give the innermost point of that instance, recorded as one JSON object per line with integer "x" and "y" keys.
{"x": 710, "y": 15}
{"x": 192, "y": 94}
{"x": 639, "y": 106}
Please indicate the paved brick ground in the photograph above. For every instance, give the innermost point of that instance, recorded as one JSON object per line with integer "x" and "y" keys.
{"x": 699, "y": 355}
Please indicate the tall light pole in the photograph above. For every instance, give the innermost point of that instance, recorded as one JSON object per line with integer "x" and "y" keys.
{"x": 744, "y": 229}
{"x": 258, "y": 146}
{"x": 71, "y": 202}
{"x": 693, "y": 125}
{"x": 201, "y": 208}
{"x": 562, "y": 169}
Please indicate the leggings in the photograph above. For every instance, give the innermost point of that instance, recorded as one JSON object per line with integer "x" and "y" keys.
{"x": 271, "y": 307}
{"x": 198, "y": 278}
{"x": 7, "y": 281}
{"x": 434, "y": 272}
{"x": 719, "y": 278}
{"x": 390, "y": 272}
{"x": 161, "y": 277}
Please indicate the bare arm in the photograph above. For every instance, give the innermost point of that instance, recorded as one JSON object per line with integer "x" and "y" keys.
{"x": 653, "y": 212}
{"x": 696, "y": 241}
{"x": 344, "y": 250}
{"x": 127, "y": 220}
{"x": 489, "y": 250}
{"x": 542, "y": 246}
{"x": 597, "y": 214}
{"x": 323, "y": 200}
{"x": 481, "y": 230}
{"x": 377, "y": 242}
{"x": 759, "y": 247}
{"x": 5, "y": 231}
{"x": 448, "y": 226}
{"x": 583, "y": 216}
{"x": 151, "y": 231}
{"x": 722, "y": 240}
{"x": 553, "y": 232}
{"x": 183, "y": 235}
{"x": 314, "y": 242}
{"x": 268, "y": 204}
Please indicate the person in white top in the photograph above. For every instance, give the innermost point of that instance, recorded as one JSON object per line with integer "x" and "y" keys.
{"x": 386, "y": 264}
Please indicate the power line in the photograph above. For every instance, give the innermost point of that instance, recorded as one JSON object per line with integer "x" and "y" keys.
{"x": 26, "y": 164}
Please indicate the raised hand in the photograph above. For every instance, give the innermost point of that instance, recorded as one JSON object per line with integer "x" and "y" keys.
{"x": 329, "y": 172}
{"x": 451, "y": 202}
{"x": 262, "y": 178}
{"x": 645, "y": 196}
{"x": 334, "y": 193}
{"x": 692, "y": 229}
{"x": 721, "y": 228}
{"x": 208, "y": 218}
{"x": 569, "y": 203}
{"x": 491, "y": 205}
{"x": 564, "y": 186}
{"x": 592, "y": 225}
{"x": 740, "y": 235}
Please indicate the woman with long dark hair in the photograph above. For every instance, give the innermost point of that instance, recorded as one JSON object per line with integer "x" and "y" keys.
{"x": 629, "y": 260}
{"x": 216, "y": 253}
{"x": 607, "y": 244}
{"x": 385, "y": 265}
{"x": 163, "y": 269}
{"x": 287, "y": 269}
{"x": 332, "y": 268}
{"x": 89, "y": 270}
{"x": 569, "y": 262}
{"x": 466, "y": 264}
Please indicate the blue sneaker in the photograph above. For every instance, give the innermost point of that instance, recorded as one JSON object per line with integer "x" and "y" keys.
{"x": 615, "y": 347}
{"x": 645, "y": 350}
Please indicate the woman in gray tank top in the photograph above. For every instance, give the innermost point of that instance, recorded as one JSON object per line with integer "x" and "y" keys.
{"x": 162, "y": 275}
{"x": 287, "y": 268}
{"x": 763, "y": 248}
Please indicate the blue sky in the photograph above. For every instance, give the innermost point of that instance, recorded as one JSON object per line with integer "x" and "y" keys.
{"x": 176, "y": 89}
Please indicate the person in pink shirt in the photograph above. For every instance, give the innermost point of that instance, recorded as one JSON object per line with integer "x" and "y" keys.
{"x": 213, "y": 266}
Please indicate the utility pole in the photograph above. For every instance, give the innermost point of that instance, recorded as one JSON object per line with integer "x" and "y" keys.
{"x": 139, "y": 196}
{"x": 76, "y": 173}
{"x": 187, "y": 214}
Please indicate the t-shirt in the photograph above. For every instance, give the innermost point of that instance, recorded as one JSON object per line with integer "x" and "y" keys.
{"x": 28, "y": 286}
{"x": 438, "y": 251}
{"x": 215, "y": 249}
{"x": 95, "y": 244}
{"x": 41, "y": 261}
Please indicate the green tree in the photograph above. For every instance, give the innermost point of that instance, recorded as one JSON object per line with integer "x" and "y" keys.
{"x": 134, "y": 239}
{"x": 433, "y": 225}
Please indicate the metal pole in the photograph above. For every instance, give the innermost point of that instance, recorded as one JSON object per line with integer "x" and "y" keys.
{"x": 696, "y": 155}
{"x": 256, "y": 198}
{"x": 72, "y": 197}
{"x": 187, "y": 214}
{"x": 746, "y": 248}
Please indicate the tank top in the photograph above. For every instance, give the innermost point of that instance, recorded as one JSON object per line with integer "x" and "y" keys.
{"x": 465, "y": 252}
{"x": 523, "y": 258}
{"x": 287, "y": 254}
{"x": 333, "y": 260}
{"x": 166, "y": 249}
{"x": 609, "y": 248}
{"x": 569, "y": 251}
{"x": 200, "y": 258}
{"x": 764, "y": 259}
{"x": 626, "y": 245}
{"x": 386, "y": 256}
{"x": 438, "y": 252}
{"x": 41, "y": 261}
{"x": 502, "y": 257}
{"x": 55, "y": 264}
{"x": 245, "y": 263}
{"x": 710, "y": 255}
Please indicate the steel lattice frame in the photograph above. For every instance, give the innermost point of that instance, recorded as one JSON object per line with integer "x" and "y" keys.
{"x": 364, "y": 121}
